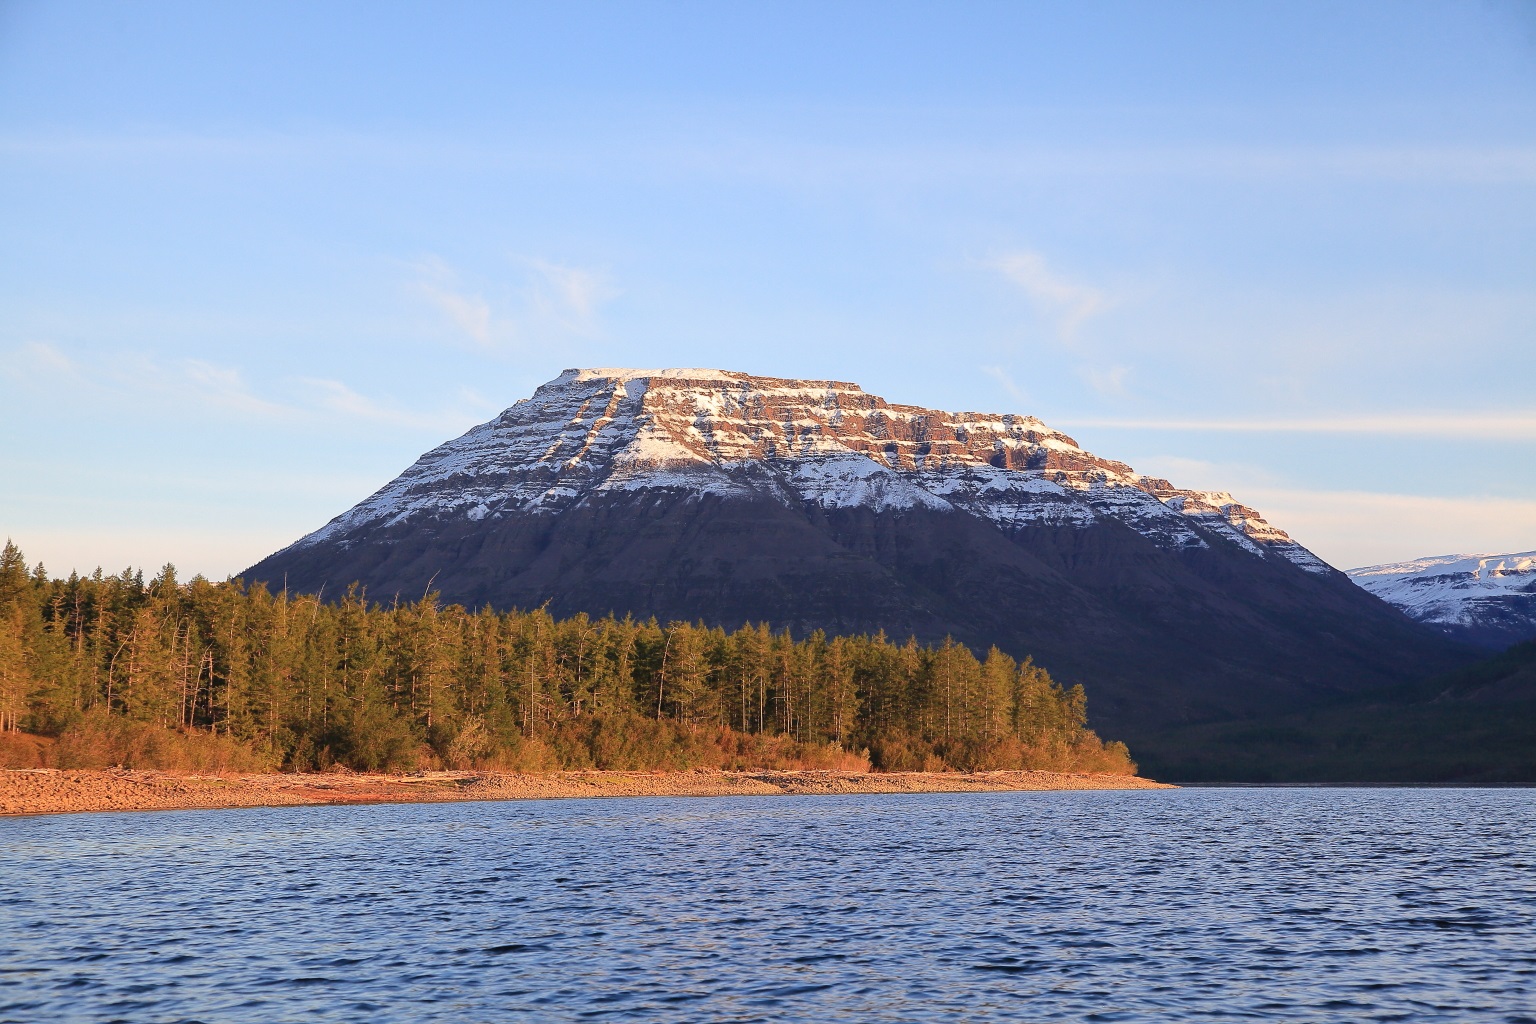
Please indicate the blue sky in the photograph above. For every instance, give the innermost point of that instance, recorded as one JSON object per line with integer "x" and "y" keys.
{"x": 254, "y": 258}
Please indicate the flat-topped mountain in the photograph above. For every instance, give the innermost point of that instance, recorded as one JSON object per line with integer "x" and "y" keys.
{"x": 1485, "y": 599}
{"x": 825, "y": 443}
{"x": 713, "y": 495}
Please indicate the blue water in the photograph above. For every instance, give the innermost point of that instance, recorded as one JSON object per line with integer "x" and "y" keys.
{"x": 1224, "y": 905}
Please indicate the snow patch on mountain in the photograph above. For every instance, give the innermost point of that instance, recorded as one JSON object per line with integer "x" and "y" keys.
{"x": 850, "y": 481}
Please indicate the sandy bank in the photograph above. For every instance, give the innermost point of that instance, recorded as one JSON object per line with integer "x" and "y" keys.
{"x": 53, "y": 791}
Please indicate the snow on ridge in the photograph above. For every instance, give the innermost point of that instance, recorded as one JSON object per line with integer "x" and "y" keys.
{"x": 702, "y": 374}
{"x": 1460, "y": 589}
{"x": 1220, "y": 513}
{"x": 628, "y": 374}
{"x": 1482, "y": 565}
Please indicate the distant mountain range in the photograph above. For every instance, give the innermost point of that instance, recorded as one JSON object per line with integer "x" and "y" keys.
{"x": 723, "y": 497}
{"x": 1487, "y": 600}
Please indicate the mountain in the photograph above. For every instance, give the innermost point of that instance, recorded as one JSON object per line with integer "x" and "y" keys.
{"x": 713, "y": 495}
{"x": 1487, "y": 600}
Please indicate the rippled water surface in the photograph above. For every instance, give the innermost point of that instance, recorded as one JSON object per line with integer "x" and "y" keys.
{"x": 1294, "y": 905}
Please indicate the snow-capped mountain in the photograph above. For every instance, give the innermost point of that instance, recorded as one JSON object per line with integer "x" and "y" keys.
{"x": 824, "y": 443}
{"x": 1486, "y": 599}
{"x": 811, "y": 504}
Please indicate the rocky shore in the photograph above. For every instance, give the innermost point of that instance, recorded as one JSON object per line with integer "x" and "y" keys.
{"x": 58, "y": 791}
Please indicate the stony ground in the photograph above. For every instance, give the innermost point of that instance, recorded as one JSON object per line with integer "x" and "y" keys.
{"x": 52, "y": 791}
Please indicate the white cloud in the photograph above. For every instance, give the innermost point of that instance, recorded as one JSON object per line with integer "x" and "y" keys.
{"x": 1065, "y": 302}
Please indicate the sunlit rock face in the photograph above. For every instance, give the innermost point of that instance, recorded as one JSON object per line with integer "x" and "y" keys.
{"x": 1486, "y": 599}
{"x": 811, "y": 504}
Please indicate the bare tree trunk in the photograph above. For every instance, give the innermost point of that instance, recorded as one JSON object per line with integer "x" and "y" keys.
{"x": 661, "y": 680}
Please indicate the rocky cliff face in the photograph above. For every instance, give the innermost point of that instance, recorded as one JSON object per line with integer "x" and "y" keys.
{"x": 1488, "y": 600}
{"x": 706, "y": 494}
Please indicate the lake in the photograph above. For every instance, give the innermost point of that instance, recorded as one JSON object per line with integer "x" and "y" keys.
{"x": 1196, "y": 904}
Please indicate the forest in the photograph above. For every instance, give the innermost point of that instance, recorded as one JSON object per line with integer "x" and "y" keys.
{"x": 108, "y": 670}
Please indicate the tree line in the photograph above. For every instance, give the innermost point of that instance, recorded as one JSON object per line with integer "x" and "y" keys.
{"x": 174, "y": 674}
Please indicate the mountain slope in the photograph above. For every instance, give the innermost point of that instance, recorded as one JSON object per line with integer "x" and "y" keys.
{"x": 703, "y": 494}
{"x": 1474, "y": 726}
{"x": 1484, "y": 599}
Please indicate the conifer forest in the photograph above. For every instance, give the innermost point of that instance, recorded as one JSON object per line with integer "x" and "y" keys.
{"x": 112, "y": 670}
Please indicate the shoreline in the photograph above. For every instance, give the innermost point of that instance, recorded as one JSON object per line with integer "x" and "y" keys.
{"x": 26, "y": 791}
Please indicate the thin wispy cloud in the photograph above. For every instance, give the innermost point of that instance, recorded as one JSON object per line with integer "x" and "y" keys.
{"x": 467, "y": 312}
{"x": 224, "y": 391}
{"x": 40, "y": 356}
{"x": 697, "y": 151}
{"x": 569, "y": 296}
{"x": 1202, "y": 474}
{"x": 335, "y": 397}
{"x": 223, "y": 387}
{"x": 1350, "y": 528}
{"x": 1005, "y": 380}
{"x": 1106, "y": 380}
{"x": 1355, "y": 528}
{"x": 1068, "y": 304}
{"x": 43, "y": 365}
{"x": 1519, "y": 426}
{"x": 540, "y": 300}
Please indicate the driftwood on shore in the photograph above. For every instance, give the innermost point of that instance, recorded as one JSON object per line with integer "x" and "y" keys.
{"x": 54, "y": 791}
